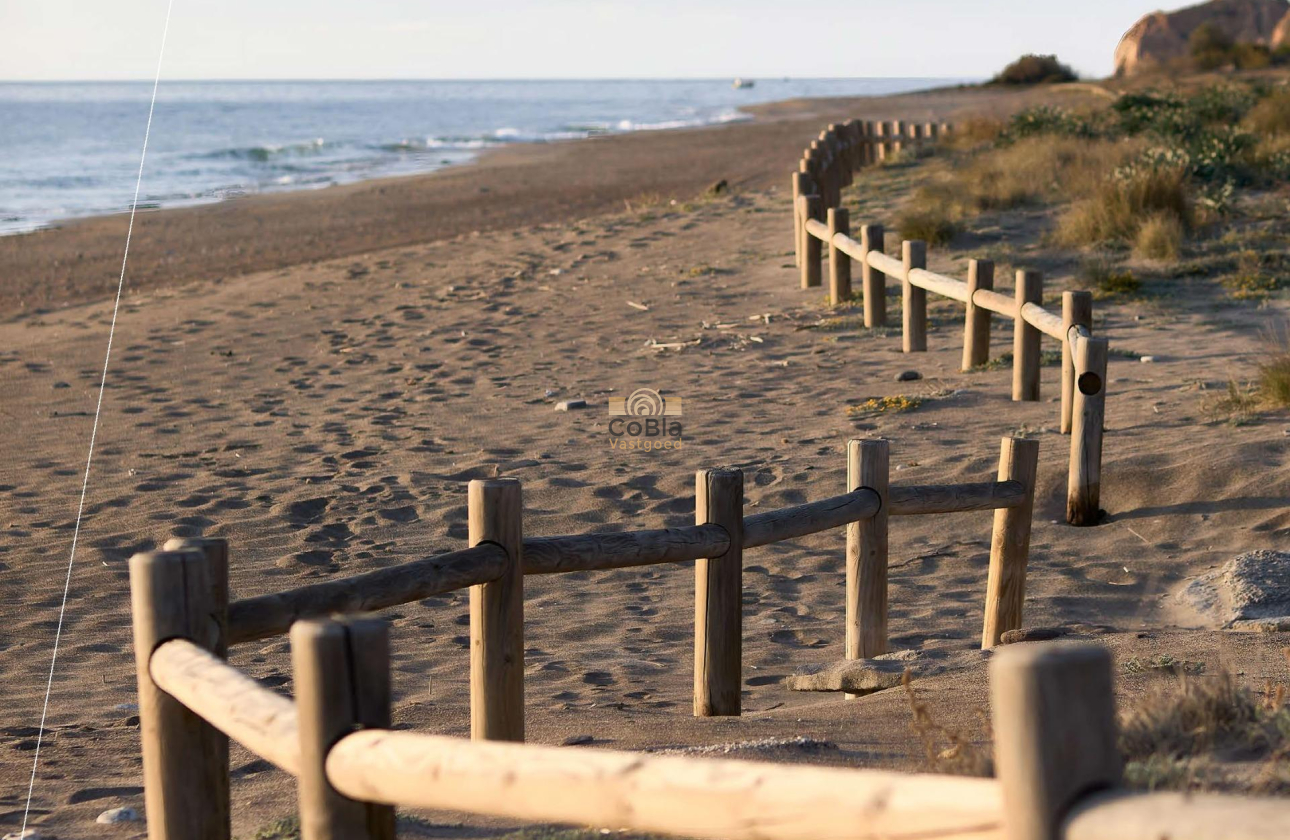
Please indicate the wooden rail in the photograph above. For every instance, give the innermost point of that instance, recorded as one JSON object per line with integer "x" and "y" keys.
{"x": 820, "y": 220}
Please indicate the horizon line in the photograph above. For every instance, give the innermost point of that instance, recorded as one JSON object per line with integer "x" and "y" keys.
{"x": 225, "y": 80}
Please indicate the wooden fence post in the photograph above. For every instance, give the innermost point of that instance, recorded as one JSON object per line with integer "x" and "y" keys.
{"x": 341, "y": 671}
{"x": 839, "y": 263}
{"x": 1053, "y": 712}
{"x": 1077, "y": 311}
{"x": 1084, "y": 482}
{"x": 898, "y": 138}
{"x": 868, "y": 465}
{"x": 874, "y": 282}
{"x": 976, "y": 325}
{"x": 870, "y": 143}
{"x": 914, "y": 253}
{"x": 1005, "y": 590}
{"x": 174, "y": 594}
{"x": 801, "y": 186}
{"x": 495, "y": 513}
{"x": 812, "y": 207}
{"x": 1025, "y": 339}
{"x": 718, "y": 597}
{"x": 880, "y": 151}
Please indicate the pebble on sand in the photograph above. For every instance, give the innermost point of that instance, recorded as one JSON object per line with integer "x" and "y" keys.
{"x": 117, "y": 815}
{"x": 908, "y": 376}
{"x": 570, "y": 405}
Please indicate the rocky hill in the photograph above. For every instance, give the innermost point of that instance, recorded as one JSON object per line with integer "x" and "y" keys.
{"x": 1161, "y": 37}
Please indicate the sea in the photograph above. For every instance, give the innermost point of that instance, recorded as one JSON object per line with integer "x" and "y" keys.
{"x": 71, "y": 149}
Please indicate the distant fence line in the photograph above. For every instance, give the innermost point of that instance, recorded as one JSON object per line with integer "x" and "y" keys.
{"x": 820, "y": 221}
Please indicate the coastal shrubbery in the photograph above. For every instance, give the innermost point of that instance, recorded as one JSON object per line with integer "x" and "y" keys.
{"x": 1035, "y": 70}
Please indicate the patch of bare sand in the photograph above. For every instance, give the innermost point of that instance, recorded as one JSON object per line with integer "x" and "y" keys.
{"x": 325, "y": 418}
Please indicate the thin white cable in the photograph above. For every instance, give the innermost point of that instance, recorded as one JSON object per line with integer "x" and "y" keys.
{"x": 94, "y": 431}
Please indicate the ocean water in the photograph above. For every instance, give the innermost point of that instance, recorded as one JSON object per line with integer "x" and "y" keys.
{"x": 72, "y": 149}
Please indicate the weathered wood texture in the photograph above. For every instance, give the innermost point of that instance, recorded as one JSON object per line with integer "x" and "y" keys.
{"x": 1053, "y": 713}
{"x": 914, "y": 312}
{"x": 873, "y": 279}
{"x": 1010, "y": 543}
{"x": 1077, "y": 311}
{"x": 718, "y": 597}
{"x": 868, "y": 466}
{"x": 271, "y": 615}
{"x": 1088, "y": 408}
{"x": 839, "y": 262}
{"x": 261, "y": 720}
{"x": 940, "y": 284}
{"x": 495, "y": 515}
{"x": 624, "y": 549}
{"x": 689, "y": 797}
{"x": 1025, "y": 339}
{"x": 810, "y": 208}
{"x": 996, "y": 302}
{"x": 810, "y": 518}
{"x": 976, "y": 323}
{"x": 1121, "y": 815}
{"x": 341, "y": 671}
{"x": 910, "y": 500}
{"x": 185, "y": 759}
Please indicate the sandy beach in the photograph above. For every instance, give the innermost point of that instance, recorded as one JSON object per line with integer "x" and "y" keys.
{"x": 315, "y": 376}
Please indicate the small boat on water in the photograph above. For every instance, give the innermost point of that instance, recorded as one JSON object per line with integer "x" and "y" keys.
{"x": 743, "y": 83}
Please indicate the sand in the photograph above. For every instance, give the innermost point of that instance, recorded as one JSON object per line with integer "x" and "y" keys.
{"x": 324, "y": 416}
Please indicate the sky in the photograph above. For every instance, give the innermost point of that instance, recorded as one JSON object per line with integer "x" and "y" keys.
{"x": 475, "y": 39}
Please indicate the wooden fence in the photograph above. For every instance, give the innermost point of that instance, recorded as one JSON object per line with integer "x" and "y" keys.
{"x": 820, "y": 222}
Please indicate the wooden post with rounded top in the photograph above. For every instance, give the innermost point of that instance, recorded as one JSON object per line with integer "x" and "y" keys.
{"x": 839, "y": 263}
{"x": 174, "y": 595}
{"x": 1005, "y": 590}
{"x": 880, "y": 150}
{"x": 976, "y": 324}
{"x": 873, "y": 281}
{"x": 812, "y": 207}
{"x": 341, "y": 671}
{"x": 718, "y": 597}
{"x": 1084, "y": 481}
{"x": 1025, "y": 339}
{"x": 801, "y": 186}
{"x": 1077, "y": 311}
{"x": 914, "y": 311}
{"x": 870, "y": 130}
{"x": 1053, "y": 715}
{"x": 495, "y": 513}
{"x": 931, "y": 132}
{"x": 898, "y": 137}
{"x": 868, "y": 465}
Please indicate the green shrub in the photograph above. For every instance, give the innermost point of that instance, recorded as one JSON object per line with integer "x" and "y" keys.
{"x": 1035, "y": 70}
{"x": 1108, "y": 279}
{"x": 1271, "y": 115}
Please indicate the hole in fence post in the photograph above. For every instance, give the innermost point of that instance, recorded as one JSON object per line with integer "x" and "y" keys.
{"x": 341, "y": 672}
{"x": 1025, "y": 339}
{"x": 839, "y": 263}
{"x": 868, "y": 465}
{"x": 1077, "y": 310}
{"x": 914, "y": 254}
{"x": 495, "y": 511}
{"x": 1005, "y": 592}
{"x": 718, "y": 597}
{"x": 1053, "y": 715}
{"x": 873, "y": 281}
{"x": 185, "y": 760}
{"x": 1088, "y": 408}
{"x": 976, "y": 323}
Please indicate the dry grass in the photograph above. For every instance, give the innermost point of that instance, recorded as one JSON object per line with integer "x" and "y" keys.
{"x": 1171, "y": 737}
{"x": 1274, "y": 374}
{"x": 1271, "y": 115}
{"x": 1119, "y": 207}
{"x": 1160, "y": 238}
{"x": 885, "y": 405}
{"x": 947, "y": 750}
{"x": 932, "y": 223}
{"x": 1236, "y": 405}
{"x": 1107, "y": 280}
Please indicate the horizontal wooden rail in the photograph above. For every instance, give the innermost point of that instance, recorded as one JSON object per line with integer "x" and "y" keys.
{"x": 259, "y": 719}
{"x": 954, "y": 498}
{"x": 263, "y": 616}
{"x": 591, "y": 552}
{"x": 887, "y": 265}
{"x": 817, "y": 229}
{"x": 995, "y": 302}
{"x": 1120, "y": 815}
{"x": 1044, "y": 321}
{"x": 940, "y": 284}
{"x": 853, "y": 249}
{"x": 691, "y": 797}
{"x": 813, "y": 517}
